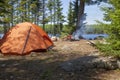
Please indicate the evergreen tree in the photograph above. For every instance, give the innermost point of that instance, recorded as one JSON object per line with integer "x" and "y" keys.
{"x": 56, "y": 17}
{"x": 12, "y": 12}
{"x": 50, "y": 6}
{"x": 23, "y": 10}
{"x": 59, "y": 16}
{"x": 3, "y": 9}
{"x": 75, "y": 11}
{"x": 112, "y": 14}
{"x": 70, "y": 27}
{"x": 70, "y": 14}
{"x": 71, "y": 24}
{"x": 4, "y": 13}
{"x": 44, "y": 16}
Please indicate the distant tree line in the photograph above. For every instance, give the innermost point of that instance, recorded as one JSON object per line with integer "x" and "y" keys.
{"x": 95, "y": 29}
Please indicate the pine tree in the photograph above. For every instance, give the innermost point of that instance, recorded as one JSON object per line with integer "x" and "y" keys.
{"x": 50, "y": 6}
{"x": 59, "y": 16}
{"x": 75, "y": 11}
{"x": 70, "y": 27}
{"x": 4, "y": 14}
{"x": 44, "y": 19}
{"x": 112, "y": 14}
{"x": 12, "y": 12}
{"x": 70, "y": 14}
{"x": 3, "y": 9}
{"x": 56, "y": 17}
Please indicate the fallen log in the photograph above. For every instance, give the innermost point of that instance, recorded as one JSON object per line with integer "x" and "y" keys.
{"x": 92, "y": 43}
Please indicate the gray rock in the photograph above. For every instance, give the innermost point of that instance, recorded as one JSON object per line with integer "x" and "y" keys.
{"x": 110, "y": 65}
{"x": 67, "y": 66}
{"x": 3, "y": 65}
{"x": 118, "y": 63}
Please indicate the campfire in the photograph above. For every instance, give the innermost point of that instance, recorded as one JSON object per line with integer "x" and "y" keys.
{"x": 71, "y": 38}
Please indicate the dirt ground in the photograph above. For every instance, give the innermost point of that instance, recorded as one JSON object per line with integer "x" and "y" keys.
{"x": 45, "y": 65}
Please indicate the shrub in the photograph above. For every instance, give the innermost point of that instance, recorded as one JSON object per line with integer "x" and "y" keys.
{"x": 109, "y": 49}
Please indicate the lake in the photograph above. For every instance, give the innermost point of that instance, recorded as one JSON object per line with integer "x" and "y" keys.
{"x": 1, "y": 35}
{"x": 93, "y": 36}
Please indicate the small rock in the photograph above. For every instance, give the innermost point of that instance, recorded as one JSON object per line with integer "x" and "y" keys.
{"x": 67, "y": 66}
{"x": 60, "y": 74}
{"x": 3, "y": 65}
{"x": 118, "y": 63}
{"x": 100, "y": 64}
{"x": 72, "y": 74}
{"x": 11, "y": 77}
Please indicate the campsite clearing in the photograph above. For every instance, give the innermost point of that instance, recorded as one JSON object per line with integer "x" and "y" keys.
{"x": 46, "y": 65}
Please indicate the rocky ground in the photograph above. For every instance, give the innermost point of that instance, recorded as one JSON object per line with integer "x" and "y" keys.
{"x": 68, "y": 60}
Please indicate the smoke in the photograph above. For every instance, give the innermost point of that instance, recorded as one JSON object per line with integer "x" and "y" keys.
{"x": 81, "y": 28}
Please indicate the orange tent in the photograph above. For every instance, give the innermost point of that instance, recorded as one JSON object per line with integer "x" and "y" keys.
{"x": 25, "y": 38}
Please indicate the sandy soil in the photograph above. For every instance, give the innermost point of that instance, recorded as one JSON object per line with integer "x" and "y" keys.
{"x": 45, "y": 65}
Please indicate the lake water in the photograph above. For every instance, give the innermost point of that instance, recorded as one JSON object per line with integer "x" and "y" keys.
{"x": 1, "y": 35}
{"x": 93, "y": 36}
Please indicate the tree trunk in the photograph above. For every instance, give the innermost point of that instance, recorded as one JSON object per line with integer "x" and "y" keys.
{"x": 43, "y": 15}
{"x": 54, "y": 17}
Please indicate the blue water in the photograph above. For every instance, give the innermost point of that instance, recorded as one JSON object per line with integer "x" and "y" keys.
{"x": 1, "y": 35}
{"x": 93, "y": 36}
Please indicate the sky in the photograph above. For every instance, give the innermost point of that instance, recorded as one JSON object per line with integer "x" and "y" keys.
{"x": 93, "y": 12}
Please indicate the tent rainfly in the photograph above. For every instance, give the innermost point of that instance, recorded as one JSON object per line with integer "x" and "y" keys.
{"x": 24, "y": 38}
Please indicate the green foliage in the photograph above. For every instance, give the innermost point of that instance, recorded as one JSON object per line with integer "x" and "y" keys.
{"x": 71, "y": 17}
{"x": 4, "y": 7}
{"x": 67, "y": 30}
{"x": 4, "y": 10}
{"x": 112, "y": 14}
{"x": 108, "y": 50}
{"x": 70, "y": 27}
{"x": 95, "y": 29}
{"x": 1, "y": 29}
{"x": 49, "y": 28}
{"x": 114, "y": 27}
{"x": 55, "y": 15}
{"x": 35, "y": 11}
